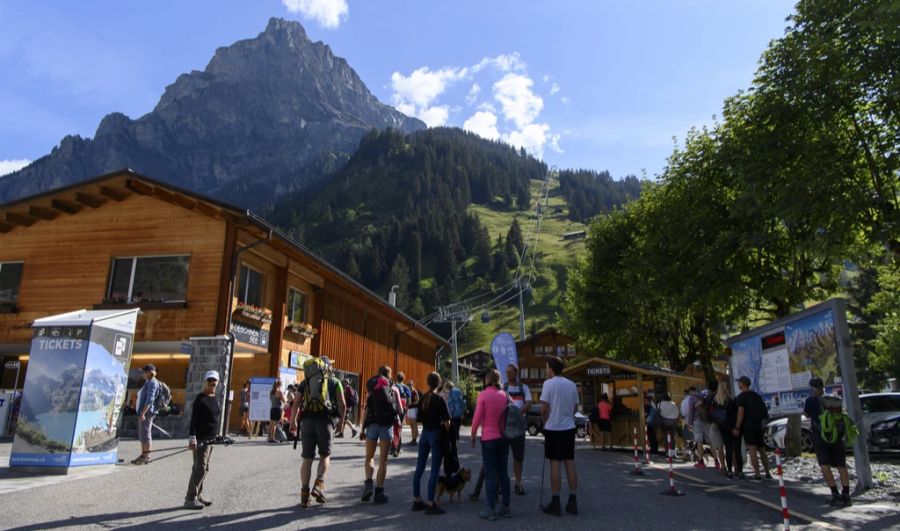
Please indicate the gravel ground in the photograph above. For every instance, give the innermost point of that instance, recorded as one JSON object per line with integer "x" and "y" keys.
{"x": 886, "y": 477}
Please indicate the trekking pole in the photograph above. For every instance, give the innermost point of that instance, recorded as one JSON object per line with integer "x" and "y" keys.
{"x": 541, "y": 495}
{"x": 637, "y": 464}
{"x": 671, "y": 491}
{"x": 646, "y": 445}
{"x": 784, "y": 507}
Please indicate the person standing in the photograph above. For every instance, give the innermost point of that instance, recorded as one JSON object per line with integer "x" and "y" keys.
{"x": 650, "y": 412}
{"x": 724, "y": 401}
{"x": 403, "y": 390}
{"x": 205, "y": 415}
{"x": 489, "y": 410}
{"x": 457, "y": 405}
{"x": 245, "y": 408}
{"x": 751, "y": 413}
{"x": 604, "y": 422}
{"x": 559, "y": 402}
{"x": 521, "y": 398}
{"x": 435, "y": 426}
{"x": 381, "y": 412}
{"x": 700, "y": 428}
{"x": 669, "y": 413}
{"x": 828, "y": 455}
{"x": 686, "y": 408}
{"x": 412, "y": 412}
{"x": 320, "y": 396}
{"x": 146, "y": 410}
{"x": 276, "y": 409}
{"x": 351, "y": 398}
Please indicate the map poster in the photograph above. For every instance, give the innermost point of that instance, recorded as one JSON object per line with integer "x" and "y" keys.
{"x": 259, "y": 398}
{"x": 812, "y": 350}
{"x": 746, "y": 360}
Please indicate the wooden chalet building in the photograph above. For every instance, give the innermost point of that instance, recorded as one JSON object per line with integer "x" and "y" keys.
{"x": 196, "y": 268}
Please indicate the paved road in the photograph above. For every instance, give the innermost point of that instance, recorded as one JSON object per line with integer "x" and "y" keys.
{"x": 255, "y": 486}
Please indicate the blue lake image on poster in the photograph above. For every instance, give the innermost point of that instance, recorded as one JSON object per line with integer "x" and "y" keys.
{"x": 746, "y": 360}
{"x": 49, "y": 406}
{"x": 102, "y": 394}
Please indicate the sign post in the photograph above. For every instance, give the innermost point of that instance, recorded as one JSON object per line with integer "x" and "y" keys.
{"x": 17, "y": 365}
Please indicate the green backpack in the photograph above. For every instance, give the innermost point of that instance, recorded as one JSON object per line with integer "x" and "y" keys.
{"x": 316, "y": 398}
{"x": 831, "y": 432}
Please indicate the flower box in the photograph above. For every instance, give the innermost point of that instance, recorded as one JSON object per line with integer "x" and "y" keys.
{"x": 255, "y": 313}
{"x": 302, "y": 329}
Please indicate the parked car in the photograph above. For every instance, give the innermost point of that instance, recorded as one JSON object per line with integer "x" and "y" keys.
{"x": 877, "y": 407}
{"x": 885, "y": 434}
{"x": 777, "y": 429}
{"x": 536, "y": 424}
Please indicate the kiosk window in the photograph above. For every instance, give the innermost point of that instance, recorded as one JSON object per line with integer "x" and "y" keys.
{"x": 250, "y": 287}
{"x": 297, "y": 306}
{"x": 10, "y": 278}
{"x": 149, "y": 279}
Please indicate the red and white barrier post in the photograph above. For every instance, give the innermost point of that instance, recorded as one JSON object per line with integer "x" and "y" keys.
{"x": 637, "y": 464}
{"x": 646, "y": 445}
{"x": 671, "y": 491}
{"x": 784, "y": 507}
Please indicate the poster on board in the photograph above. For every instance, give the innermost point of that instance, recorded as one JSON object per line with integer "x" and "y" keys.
{"x": 260, "y": 404}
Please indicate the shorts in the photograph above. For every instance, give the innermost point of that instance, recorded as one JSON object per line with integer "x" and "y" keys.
{"x": 377, "y": 432}
{"x": 834, "y": 455}
{"x": 145, "y": 429}
{"x": 753, "y": 436}
{"x": 559, "y": 445}
{"x": 316, "y": 433}
{"x": 701, "y": 432}
{"x": 715, "y": 437}
{"x": 604, "y": 424}
{"x": 412, "y": 413}
{"x": 244, "y": 408}
{"x": 518, "y": 448}
{"x": 276, "y": 414}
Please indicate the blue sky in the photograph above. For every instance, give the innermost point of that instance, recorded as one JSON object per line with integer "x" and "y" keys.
{"x": 597, "y": 84}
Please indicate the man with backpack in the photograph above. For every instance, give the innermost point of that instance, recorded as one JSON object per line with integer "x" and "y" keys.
{"x": 147, "y": 409}
{"x": 381, "y": 413}
{"x": 751, "y": 414}
{"x": 351, "y": 398}
{"x": 320, "y": 398}
{"x": 830, "y": 444}
{"x": 520, "y": 396}
{"x": 702, "y": 428}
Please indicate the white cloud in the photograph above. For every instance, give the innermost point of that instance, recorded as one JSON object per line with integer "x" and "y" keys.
{"x": 472, "y": 96}
{"x": 565, "y": 100}
{"x": 554, "y": 88}
{"x": 327, "y": 13}
{"x": 533, "y": 137}
{"x": 11, "y": 165}
{"x": 414, "y": 94}
{"x": 504, "y": 63}
{"x": 517, "y": 101}
{"x": 484, "y": 124}
{"x": 435, "y": 116}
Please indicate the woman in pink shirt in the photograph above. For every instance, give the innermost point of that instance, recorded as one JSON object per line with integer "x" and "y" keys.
{"x": 604, "y": 421}
{"x": 489, "y": 414}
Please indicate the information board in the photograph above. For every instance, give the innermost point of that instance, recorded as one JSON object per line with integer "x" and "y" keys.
{"x": 260, "y": 404}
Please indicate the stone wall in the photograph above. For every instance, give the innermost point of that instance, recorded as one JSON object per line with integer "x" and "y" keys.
{"x": 207, "y": 354}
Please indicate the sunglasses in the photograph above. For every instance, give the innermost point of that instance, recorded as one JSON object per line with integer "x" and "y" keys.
{"x": 211, "y": 380}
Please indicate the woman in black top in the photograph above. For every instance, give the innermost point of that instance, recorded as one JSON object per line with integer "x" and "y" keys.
{"x": 204, "y": 426}
{"x": 435, "y": 417}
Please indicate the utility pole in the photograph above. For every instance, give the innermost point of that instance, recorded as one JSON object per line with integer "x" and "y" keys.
{"x": 522, "y": 285}
{"x": 453, "y": 314}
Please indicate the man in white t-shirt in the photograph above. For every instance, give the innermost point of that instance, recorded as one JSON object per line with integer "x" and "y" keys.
{"x": 559, "y": 402}
{"x": 521, "y": 397}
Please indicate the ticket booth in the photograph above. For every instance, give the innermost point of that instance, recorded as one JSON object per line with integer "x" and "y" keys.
{"x": 626, "y": 383}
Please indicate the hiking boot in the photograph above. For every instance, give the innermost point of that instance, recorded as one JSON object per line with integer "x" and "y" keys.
{"x": 354, "y": 433}
{"x": 572, "y": 506}
{"x": 836, "y": 500}
{"x": 193, "y": 505}
{"x": 504, "y": 512}
{"x": 304, "y": 497}
{"x": 434, "y": 509}
{"x": 419, "y": 505}
{"x": 740, "y": 475}
{"x": 339, "y": 435}
{"x": 553, "y": 508}
{"x": 318, "y": 490}
{"x": 141, "y": 460}
{"x": 206, "y": 503}
{"x": 768, "y": 475}
{"x": 846, "y": 501}
{"x": 487, "y": 515}
{"x": 379, "y": 496}
{"x": 368, "y": 489}
{"x": 520, "y": 490}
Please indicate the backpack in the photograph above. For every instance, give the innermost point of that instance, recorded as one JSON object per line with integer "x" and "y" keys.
{"x": 316, "y": 388}
{"x": 456, "y": 405}
{"x": 515, "y": 424}
{"x": 718, "y": 414}
{"x": 163, "y": 399}
{"x": 383, "y": 406}
{"x": 351, "y": 397}
{"x": 757, "y": 411}
{"x": 836, "y": 426}
{"x": 654, "y": 419}
{"x": 702, "y": 409}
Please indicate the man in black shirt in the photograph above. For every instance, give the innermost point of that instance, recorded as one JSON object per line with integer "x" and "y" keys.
{"x": 751, "y": 414}
{"x": 204, "y": 426}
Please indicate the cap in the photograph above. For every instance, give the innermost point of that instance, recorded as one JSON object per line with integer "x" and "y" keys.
{"x": 817, "y": 383}
{"x": 744, "y": 380}
{"x": 211, "y": 374}
{"x": 149, "y": 368}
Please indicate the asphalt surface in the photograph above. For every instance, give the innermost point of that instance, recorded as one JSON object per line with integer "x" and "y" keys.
{"x": 255, "y": 486}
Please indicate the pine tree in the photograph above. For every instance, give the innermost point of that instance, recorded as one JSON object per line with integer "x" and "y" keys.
{"x": 514, "y": 236}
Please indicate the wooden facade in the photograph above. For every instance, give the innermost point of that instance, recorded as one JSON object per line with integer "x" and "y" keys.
{"x": 68, "y": 239}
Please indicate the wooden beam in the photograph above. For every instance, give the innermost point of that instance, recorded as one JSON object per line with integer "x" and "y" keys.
{"x": 165, "y": 195}
{"x": 66, "y": 206}
{"x": 185, "y": 201}
{"x": 43, "y": 213}
{"x": 139, "y": 187}
{"x": 6, "y": 227}
{"x": 206, "y": 208}
{"x": 91, "y": 200}
{"x": 16, "y": 218}
{"x": 117, "y": 193}
{"x": 225, "y": 278}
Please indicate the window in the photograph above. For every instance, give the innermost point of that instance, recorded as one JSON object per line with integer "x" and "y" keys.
{"x": 10, "y": 278}
{"x": 137, "y": 279}
{"x": 250, "y": 287}
{"x": 296, "y": 310}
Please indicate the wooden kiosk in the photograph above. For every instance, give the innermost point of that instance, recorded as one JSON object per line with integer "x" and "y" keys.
{"x": 626, "y": 383}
